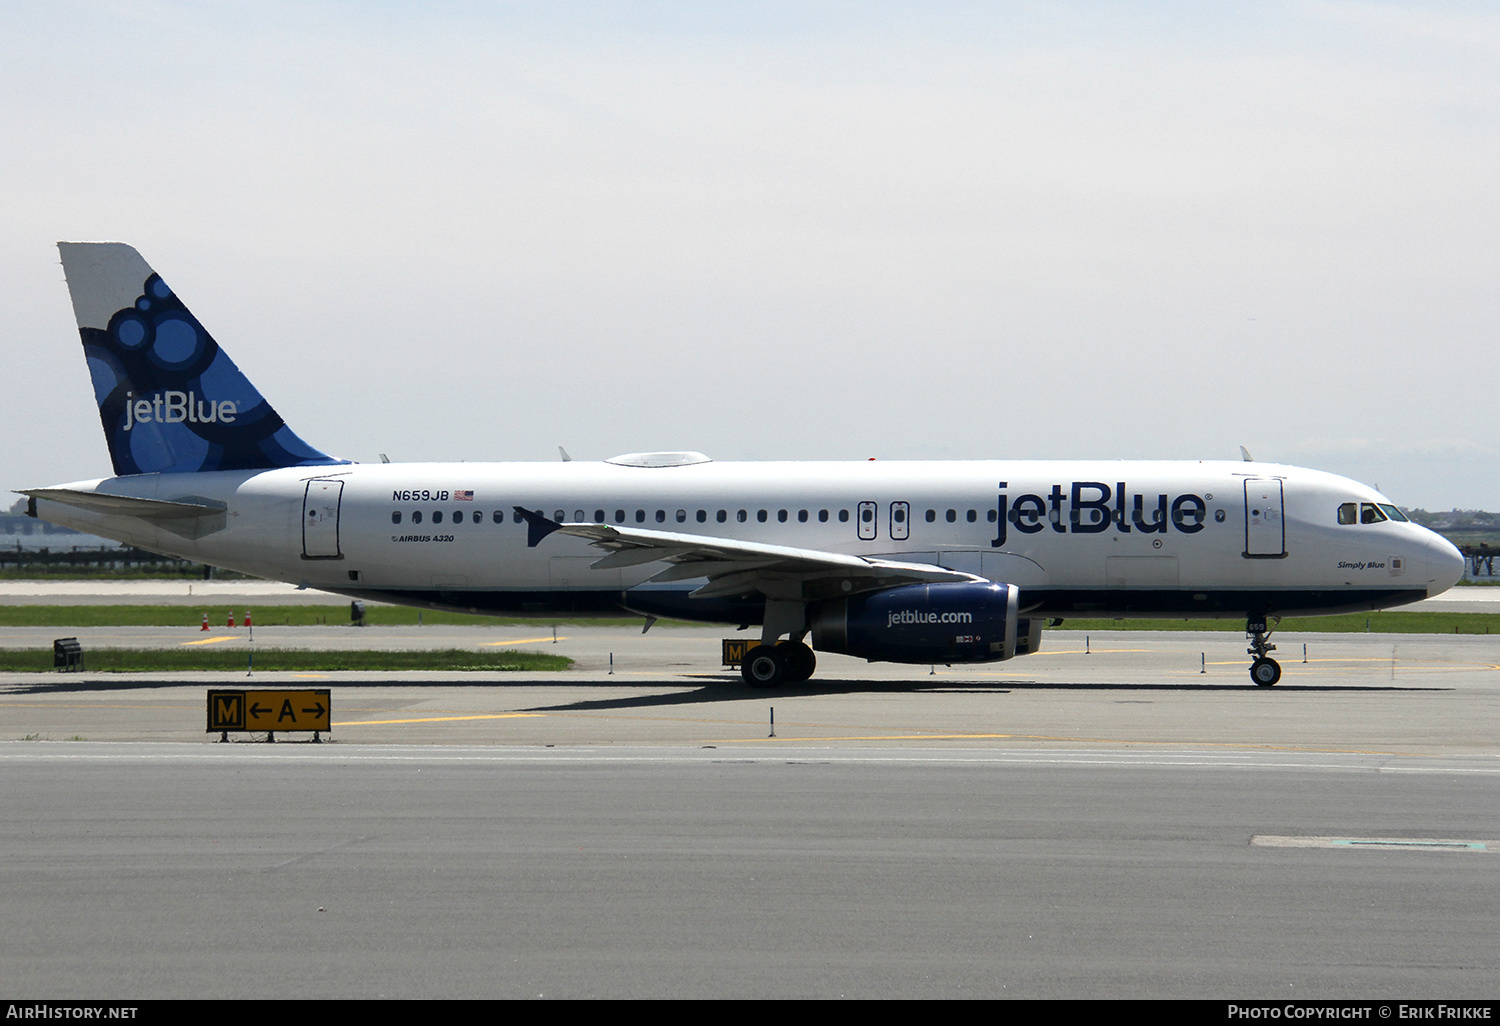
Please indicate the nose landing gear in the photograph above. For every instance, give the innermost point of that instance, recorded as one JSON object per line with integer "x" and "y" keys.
{"x": 1265, "y": 671}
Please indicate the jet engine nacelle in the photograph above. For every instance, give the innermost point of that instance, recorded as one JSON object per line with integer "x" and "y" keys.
{"x": 927, "y": 623}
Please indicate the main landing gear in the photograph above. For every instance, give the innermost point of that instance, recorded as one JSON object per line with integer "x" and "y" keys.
{"x": 1265, "y": 671}
{"x": 766, "y": 666}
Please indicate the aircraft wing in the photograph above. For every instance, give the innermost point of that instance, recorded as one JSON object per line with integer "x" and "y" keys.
{"x": 736, "y": 567}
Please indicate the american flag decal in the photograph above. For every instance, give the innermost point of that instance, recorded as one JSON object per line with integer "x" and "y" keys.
{"x": 464, "y": 496}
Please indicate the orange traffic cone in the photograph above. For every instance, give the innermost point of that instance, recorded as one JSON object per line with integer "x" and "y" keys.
{"x": 231, "y": 618}
{"x": 205, "y": 622}
{"x": 247, "y": 618}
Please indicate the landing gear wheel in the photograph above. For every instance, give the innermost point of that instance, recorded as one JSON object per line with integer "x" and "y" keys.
{"x": 764, "y": 667}
{"x": 799, "y": 659}
{"x": 1265, "y": 672}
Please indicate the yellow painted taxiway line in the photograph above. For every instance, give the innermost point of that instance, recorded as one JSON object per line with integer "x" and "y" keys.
{"x": 211, "y": 641}
{"x": 1096, "y": 651}
{"x": 525, "y": 641}
{"x": 438, "y": 719}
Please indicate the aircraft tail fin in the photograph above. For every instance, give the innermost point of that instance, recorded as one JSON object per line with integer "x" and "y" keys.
{"x": 170, "y": 399}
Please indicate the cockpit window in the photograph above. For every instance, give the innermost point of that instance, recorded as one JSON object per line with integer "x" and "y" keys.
{"x": 1370, "y": 513}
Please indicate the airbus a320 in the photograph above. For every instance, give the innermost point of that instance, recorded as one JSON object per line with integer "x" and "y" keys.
{"x": 907, "y": 562}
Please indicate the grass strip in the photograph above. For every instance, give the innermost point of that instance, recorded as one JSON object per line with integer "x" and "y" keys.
{"x": 285, "y": 616}
{"x": 145, "y": 660}
{"x": 1393, "y": 622}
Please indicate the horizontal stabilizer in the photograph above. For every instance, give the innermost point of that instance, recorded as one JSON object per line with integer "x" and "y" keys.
{"x": 125, "y": 505}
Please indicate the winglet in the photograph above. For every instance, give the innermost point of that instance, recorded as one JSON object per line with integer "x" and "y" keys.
{"x": 537, "y": 526}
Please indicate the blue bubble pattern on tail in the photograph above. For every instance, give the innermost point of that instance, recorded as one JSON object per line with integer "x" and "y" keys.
{"x": 173, "y": 402}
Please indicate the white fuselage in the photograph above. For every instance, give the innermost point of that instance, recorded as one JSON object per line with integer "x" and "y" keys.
{"x": 1188, "y": 539}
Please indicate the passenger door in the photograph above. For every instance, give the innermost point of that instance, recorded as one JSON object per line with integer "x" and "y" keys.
{"x": 1265, "y": 527}
{"x": 320, "y": 519}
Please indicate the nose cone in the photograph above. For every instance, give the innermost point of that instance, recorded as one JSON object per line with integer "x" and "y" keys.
{"x": 1443, "y": 563}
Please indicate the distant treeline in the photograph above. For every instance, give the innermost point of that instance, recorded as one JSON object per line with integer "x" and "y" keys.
{"x": 105, "y": 560}
{"x": 1466, "y": 528}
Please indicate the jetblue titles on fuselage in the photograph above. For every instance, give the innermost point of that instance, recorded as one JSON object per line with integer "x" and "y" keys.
{"x": 1091, "y": 507}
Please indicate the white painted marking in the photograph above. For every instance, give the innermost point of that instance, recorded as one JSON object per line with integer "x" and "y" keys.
{"x": 1380, "y": 843}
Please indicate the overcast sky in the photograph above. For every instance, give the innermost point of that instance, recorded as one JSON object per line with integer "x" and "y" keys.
{"x": 477, "y": 231}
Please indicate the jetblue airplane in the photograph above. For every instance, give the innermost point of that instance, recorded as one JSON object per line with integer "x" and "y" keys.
{"x": 910, "y": 562}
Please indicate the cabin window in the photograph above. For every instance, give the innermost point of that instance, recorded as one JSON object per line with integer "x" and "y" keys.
{"x": 416, "y": 516}
{"x": 396, "y": 517}
{"x": 619, "y": 516}
{"x": 993, "y": 516}
{"x": 898, "y": 515}
{"x": 1027, "y": 512}
{"x": 1188, "y": 513}
{"x": 822, "y": 516}
{"x": 598, "y": 516}
{"x": 741, "y": 516}
{"x": 640, "y": 516}
{"x": 559, "y": 516}
{"x": 932, "y": 516}
{"x": 458, "y": 517}
{"x": 802, "y": 516}
{"x": 498, "y": 517}
{"x": 437, "y": 516}
{"x": 973, "y": 516}
{"x": 661, "y": 516}
{"x": 760, "y": 515}
{"x": 682, "y": 516}
{"x": 953, "y": 516}
{"x": 478, "y": 517}
{"x": 843, "y": 516}
{"x": 722, "y": 515}
{"x": 781, "y": 516}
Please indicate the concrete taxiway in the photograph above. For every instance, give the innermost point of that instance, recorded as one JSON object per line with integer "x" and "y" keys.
{"x": 1397, "y": 693}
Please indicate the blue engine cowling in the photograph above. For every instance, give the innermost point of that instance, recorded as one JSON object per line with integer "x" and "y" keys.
{"x": 927, "y": 623}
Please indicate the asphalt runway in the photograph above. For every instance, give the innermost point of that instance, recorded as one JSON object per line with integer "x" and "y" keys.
{"x": 366, "y": 871}
{"x": 1102, "y": 819}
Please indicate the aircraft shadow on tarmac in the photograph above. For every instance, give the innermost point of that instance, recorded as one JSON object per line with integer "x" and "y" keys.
{"x": 700, "y": 689}
{"x": 730, "y": 689}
